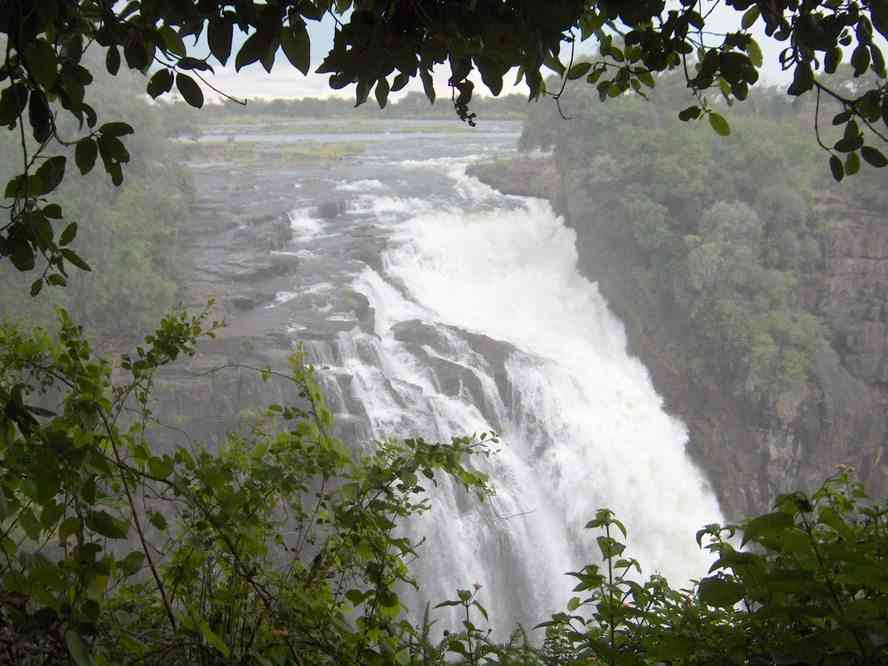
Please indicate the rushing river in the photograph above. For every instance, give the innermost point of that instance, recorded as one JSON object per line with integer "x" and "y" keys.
{"x": 481, "y": 321}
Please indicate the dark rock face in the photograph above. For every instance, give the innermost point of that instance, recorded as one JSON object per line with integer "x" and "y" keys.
{"x": 453, "y": 378}
{"x": 751, "y": 452}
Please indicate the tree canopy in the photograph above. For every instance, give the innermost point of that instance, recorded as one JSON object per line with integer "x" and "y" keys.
{"x": 380, "y": 46}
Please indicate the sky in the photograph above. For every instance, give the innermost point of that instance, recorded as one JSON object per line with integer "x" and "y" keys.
{"x": 286, "y": 82}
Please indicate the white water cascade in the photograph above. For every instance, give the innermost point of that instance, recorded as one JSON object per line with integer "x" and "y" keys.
{"x": 483, "y": 322}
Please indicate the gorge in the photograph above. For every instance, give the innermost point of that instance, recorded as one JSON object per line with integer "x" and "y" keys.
{"x": 435, "y": 306}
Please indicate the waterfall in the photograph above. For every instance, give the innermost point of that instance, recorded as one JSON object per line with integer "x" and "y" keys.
{"x": 481, "y": 321}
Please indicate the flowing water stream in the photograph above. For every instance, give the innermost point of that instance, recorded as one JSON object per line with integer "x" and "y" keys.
{"x": 480, "y": 321}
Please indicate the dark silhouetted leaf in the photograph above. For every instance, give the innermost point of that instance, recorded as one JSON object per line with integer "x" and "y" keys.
{"x": 68, "y": 234}
{"x": 296, "y": 45}
{"x": 161, "y": 83}
{"x": 219, "y": 36}
{"x": 85, "y": 155}
{"x": 42, "y": 63}
{"x": 189, "y": 90}
{"x": 73, "y": 258}
{"x": 838, "y": 170}
{"x": 874, "y": 157}
{"x": 51, "y": 173}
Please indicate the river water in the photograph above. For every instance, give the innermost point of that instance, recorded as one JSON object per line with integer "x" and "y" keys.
{"x": 480, "y": 321}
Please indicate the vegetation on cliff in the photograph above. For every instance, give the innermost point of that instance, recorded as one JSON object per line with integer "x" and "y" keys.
{"x": 129, "y": 234}
{"x": 735, "y": 258}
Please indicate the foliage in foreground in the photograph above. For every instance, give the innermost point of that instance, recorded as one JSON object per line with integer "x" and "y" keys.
{"x": 284, "y": 547}
{"x": 278, "y": 549}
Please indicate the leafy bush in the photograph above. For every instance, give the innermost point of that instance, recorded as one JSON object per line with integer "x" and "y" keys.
{"x": 280, "y": 547}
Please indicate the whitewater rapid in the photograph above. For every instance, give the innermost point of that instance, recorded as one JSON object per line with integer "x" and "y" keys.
{"x": 434, "y": 306}
{"x": 580, "y": 424}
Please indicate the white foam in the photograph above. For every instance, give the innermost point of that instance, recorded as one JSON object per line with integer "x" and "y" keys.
{"x": 282, "y": 297}
{"x": 389, "y": 305}
{"x": 589, "y": 407}
{"x": 366, "y": 185}
{"x": 304, "y": 225}
{"x": 387, "y": 206}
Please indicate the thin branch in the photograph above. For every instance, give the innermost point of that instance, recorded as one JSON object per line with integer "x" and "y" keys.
{"x": 242, "y": 102}
{"x": 138, "y": 524}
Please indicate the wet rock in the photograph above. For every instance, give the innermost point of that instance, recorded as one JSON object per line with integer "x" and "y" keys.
{"x": 331, "y": 209}
{"x": 454, "y": 354}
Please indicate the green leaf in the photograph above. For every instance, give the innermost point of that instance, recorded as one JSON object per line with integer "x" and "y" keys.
{"x": 720, "y": 592}
{"x": 852, "y": 164}
{"x": 754, "y": 51}
{"x": 77, "y": 650}
{"x": 85, "y": 155}
{"x": 112, "y": 150}
{"x": 132, "y": 563}
{"x": 213, "y": 639}
{"x": 105, "y": 524}
{"x": 252, "y": 50}
{"x": 189, "y": 90}
{"x": 579, "y": 70}
{"x": 73, "y": 258}
{"x": 860, "y": 59}
{"x": 41, "y": 59}
{"x": 646, "y": 78}
{"x": 296, "y": 45}
{"x": 874, "y": 157}
{"x": 161, "y": 83}
{"x": 838, "y": 170}
{"x": 803, "y": 79}
{"x": 750, "y": 17}
{"x": 427, "y": 84}
{"x": 13, "y": 100}
{"x": 116, "y": 129}
{"x": 22, "y": 254}
{"x": 451, "y": 602}
{"x": 160, "y": 467}
{"x": 766, "y": 526}
{"x": 53, "y": 211}
{"x": 362, "y": 91}
{"x": 400, "y": 81}
{"x": 112, "y": 60}
{"x": 36, "y": 287}
{"x": 382, "y": 92}
{"x": 51, "y": 173}
{"x": 690, "y": 113}
{"x": 40, "y": 117}
{"x": 219, "y": 36}
{"x": 41, "y": 229}
{"x": 832, "y": 59}
{"x": 719, "y": 124}
{"x": 172, "y": 41}
{"x": 269, "y": 54}
{"x": 68, "y": 528}
{"x": 157, "y": 520}
{"x": 68, "y": 234}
